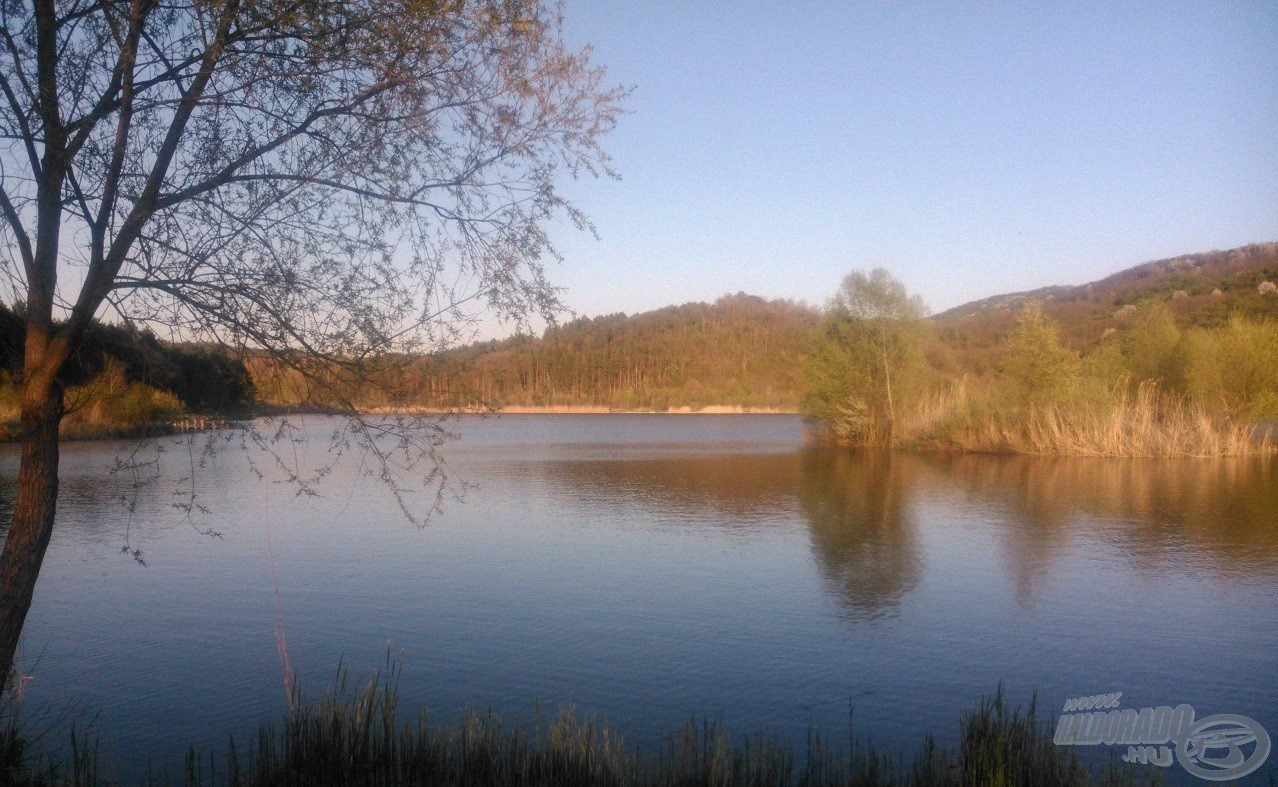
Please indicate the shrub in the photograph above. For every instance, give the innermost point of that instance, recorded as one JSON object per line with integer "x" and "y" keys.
{"x": 1038, "y": 366}
{"x": 110, "y": 401}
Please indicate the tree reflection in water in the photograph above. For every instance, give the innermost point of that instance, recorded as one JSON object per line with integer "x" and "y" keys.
{"x": 864, "y": 529}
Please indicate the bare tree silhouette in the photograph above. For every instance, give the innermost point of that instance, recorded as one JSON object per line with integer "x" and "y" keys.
{"x": 328, "y": 186}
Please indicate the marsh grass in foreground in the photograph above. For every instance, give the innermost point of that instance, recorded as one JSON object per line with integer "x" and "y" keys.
{"x": 357, "y": 735}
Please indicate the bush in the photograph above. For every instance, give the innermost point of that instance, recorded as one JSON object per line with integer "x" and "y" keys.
{"x": 111, "y": 402}
{"x": 202, "y": 378}
{"x": 1037, "y": 365}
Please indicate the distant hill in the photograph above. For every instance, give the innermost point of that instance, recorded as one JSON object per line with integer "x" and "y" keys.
{"x": 1201, "y": 288}
{"x": 740, "y": 350}
{"x": 746, "y": 351}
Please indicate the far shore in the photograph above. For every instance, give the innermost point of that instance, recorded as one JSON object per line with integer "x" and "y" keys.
{"x": 9, "y": 430}
{"x": 578, "y": 409}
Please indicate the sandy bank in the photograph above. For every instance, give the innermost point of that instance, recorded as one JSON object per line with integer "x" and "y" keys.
{"x": 716, "y": 409}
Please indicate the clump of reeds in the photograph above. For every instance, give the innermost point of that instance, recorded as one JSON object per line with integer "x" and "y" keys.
{"x": 357, "y": 735}
{"x": 1149, "y": 423}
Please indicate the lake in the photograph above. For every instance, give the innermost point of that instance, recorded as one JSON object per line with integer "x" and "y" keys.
{"x": 646, "y": 568}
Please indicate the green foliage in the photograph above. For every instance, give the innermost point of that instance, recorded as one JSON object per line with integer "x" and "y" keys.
{"x": 1234, "y": 367}
{"x": 865, "y": 363}
{"x": 1149, "y": 346}
{"x": 1151, "y": 384}
{"x": 1194, "y": 367}
{"x": 107, "y": 404}
{"x": 836, "y": 372}
{"x": 1247, "y": 362}
{"x": 1039, "y": 367}
{"x": 112, "y": 400}
{"x": 875, "y": 297}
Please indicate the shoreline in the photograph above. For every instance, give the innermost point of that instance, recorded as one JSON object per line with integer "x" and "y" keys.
{"x": 714, "y": 409}
{"x": 1263, "y": 433}
{"x": 521, "y": 409}
{"x": 85, "y": 433}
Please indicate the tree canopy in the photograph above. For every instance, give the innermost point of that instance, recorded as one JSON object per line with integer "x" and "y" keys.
{"x": 865, "y": 361}
{"x": 322, "y": 181}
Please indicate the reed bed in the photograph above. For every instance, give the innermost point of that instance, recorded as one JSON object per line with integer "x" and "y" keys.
{"x": 359, "y": 737}
{"x": 1148, "y": 423}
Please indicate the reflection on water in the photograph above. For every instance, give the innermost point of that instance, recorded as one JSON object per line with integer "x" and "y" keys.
{"x": 722, "y": 490}
{"x": 859, "y": 510}
{"x": 856, "y": 506}
{"x": 1216, "y": 518}
{"x": 648, "y": 567}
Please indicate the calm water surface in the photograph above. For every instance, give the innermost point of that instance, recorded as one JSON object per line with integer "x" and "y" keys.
{"x": 644, "y": 568}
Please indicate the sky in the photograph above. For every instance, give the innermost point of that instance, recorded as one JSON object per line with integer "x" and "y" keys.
{"x": 969, "y": 149}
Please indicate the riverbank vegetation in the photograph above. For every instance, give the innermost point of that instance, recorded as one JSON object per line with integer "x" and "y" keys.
{"x": 358, "y": 735}
{"x": 125, "y": 381}
{"x": 1147, "y": 386}
{"x": 106, "y": 405}
{"x": 1170, "y": 358}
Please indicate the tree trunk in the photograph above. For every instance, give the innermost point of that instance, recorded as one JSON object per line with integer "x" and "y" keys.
{"x": 32, "y": 523}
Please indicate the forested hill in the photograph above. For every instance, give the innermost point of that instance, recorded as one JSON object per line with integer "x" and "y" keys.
{"x": 740, "y": 350}
{"x": 1199, "y": 289}
{"x": 1203, "y": 289}
{"x": 745, "y": 351}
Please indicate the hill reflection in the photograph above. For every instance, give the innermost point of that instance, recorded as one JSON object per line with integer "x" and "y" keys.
{"x": 863, "y": 510}
{"x": 1217, "y": 518}
{"x": 864, "y": 515}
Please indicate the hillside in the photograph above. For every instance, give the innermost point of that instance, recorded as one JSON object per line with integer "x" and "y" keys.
{"x": 1200, "y": 289}
{"x": 739, "y": 350}
{"x": 1203, "y": 289}
{"x": 744, "y": 350}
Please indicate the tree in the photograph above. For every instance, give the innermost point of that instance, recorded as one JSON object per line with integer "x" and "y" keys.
{"x": 327, "y": 184}
{"x": 1149, "y": 344}
{"x": 1247, "y": 359}
{"x": 1040, "y": 367}
{"x": 865, "y": 359}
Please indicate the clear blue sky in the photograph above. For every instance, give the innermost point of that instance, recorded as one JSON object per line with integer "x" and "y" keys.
{"x": 773, "y": 147}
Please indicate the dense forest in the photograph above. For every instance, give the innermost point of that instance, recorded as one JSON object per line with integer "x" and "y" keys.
{"x": 739, "y": 350}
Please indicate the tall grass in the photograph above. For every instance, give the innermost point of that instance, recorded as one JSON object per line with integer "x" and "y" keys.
{"x": 357, "y": 735}
{"x": 1147, "y": 423}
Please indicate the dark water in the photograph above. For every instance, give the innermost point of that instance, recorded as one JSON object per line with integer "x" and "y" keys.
{"x": 645, "y": 568}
